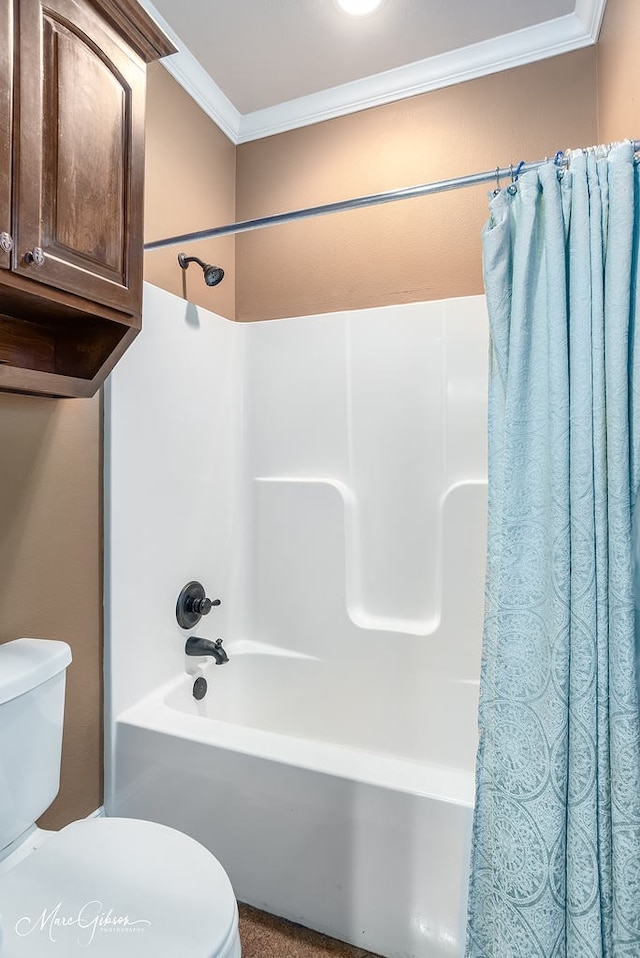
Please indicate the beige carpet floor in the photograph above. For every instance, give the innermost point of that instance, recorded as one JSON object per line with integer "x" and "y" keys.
{"x": 265, "y": 936}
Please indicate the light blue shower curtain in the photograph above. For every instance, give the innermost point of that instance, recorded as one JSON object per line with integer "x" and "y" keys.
{"x": 556, "y": 840}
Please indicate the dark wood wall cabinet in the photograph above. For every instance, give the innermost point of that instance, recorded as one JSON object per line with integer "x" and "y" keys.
{"x": 72, "y": 98}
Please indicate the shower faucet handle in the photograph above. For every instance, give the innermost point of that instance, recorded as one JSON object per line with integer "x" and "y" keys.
{"x": 203, "y": 606}
{"x": 192, "y": 604}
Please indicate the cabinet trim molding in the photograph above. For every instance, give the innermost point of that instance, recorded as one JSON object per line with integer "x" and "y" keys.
{"x": 139, "y": 29}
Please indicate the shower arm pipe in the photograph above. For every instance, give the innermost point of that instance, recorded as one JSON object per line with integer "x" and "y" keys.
{"x": 359, "y": 202}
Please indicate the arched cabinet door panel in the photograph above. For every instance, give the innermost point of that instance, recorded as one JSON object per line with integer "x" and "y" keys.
{"x": 80, "y": 155}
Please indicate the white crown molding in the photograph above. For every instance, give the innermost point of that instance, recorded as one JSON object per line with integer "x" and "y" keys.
{"x": 591, "y": 13}
{"x": 184, "y": 68}
{"x": 539, "y": 42}
{"x": 549, "y": 39}
{"x": 193, "y": 78}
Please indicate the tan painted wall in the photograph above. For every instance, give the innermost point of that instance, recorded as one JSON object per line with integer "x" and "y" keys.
{"x": 51, "y": 566}
{"x": 426, "y": 248}
{"x": 618, "y": 83}
{"x": 190, "y": 185}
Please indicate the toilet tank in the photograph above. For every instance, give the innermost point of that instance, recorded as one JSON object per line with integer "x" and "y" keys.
{"x": 32, "y": 680}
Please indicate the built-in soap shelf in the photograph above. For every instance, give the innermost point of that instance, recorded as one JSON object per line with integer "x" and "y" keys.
{"x": 310, "y": 524}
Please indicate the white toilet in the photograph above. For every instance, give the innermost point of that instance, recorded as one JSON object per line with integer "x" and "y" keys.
{"x": 99, "y": 887}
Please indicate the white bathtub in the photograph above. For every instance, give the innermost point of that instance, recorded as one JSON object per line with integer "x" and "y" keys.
{"x": 366, "y": 846}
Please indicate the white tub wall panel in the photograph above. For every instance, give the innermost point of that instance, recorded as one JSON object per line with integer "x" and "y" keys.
{"x": 170, "y": 487}
{"x": 351, "y": 680}
{"x": 301, "y": 598}
{"x": 367, "y": 385}
{"x": 467, "y": 350}
{"x": 378, "y": 868}
{"x": 234, "y": 548}
{"x": 298, "y": 566}
{"x": 396, "y": 452}
{"x": 296, "y": 397}
{"x": 293, "y": 413}
{"x": 403, "y": 449}
{"x": 464, "y": 511}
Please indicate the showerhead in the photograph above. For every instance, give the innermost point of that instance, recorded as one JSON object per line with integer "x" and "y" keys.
{"x": 212, "y": 274}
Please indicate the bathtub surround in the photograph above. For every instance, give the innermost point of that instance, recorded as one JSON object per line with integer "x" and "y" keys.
{"x": 318, "y": 475}
{"x": 172, "y": 517}
{"x": 556, "y": 843}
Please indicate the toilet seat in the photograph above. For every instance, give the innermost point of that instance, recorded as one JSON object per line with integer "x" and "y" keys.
{"x": 121, "y": 887}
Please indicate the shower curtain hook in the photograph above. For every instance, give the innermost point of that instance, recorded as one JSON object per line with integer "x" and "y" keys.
{"x": 498, "y": 187}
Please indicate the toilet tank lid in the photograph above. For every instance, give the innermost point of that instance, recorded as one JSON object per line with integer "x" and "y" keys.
{"x": 27, "y": 663}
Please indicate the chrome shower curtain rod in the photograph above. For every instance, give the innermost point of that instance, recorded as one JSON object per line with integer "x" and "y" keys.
{"x": 358, "y": 202}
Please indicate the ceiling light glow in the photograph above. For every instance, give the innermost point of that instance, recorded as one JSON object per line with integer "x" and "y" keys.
{"x": 360, "y": 8}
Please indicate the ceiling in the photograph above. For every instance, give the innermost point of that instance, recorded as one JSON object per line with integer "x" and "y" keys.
{"x": 260, "y": 67}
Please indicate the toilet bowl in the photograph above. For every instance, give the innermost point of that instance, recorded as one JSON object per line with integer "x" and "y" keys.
{"x": 102, "y": 886}
{"x": 118, "y": 886}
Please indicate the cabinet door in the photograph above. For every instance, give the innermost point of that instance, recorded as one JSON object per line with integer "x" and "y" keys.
{"x": 79, "y": 171}
{"x": 6, "y": 86}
